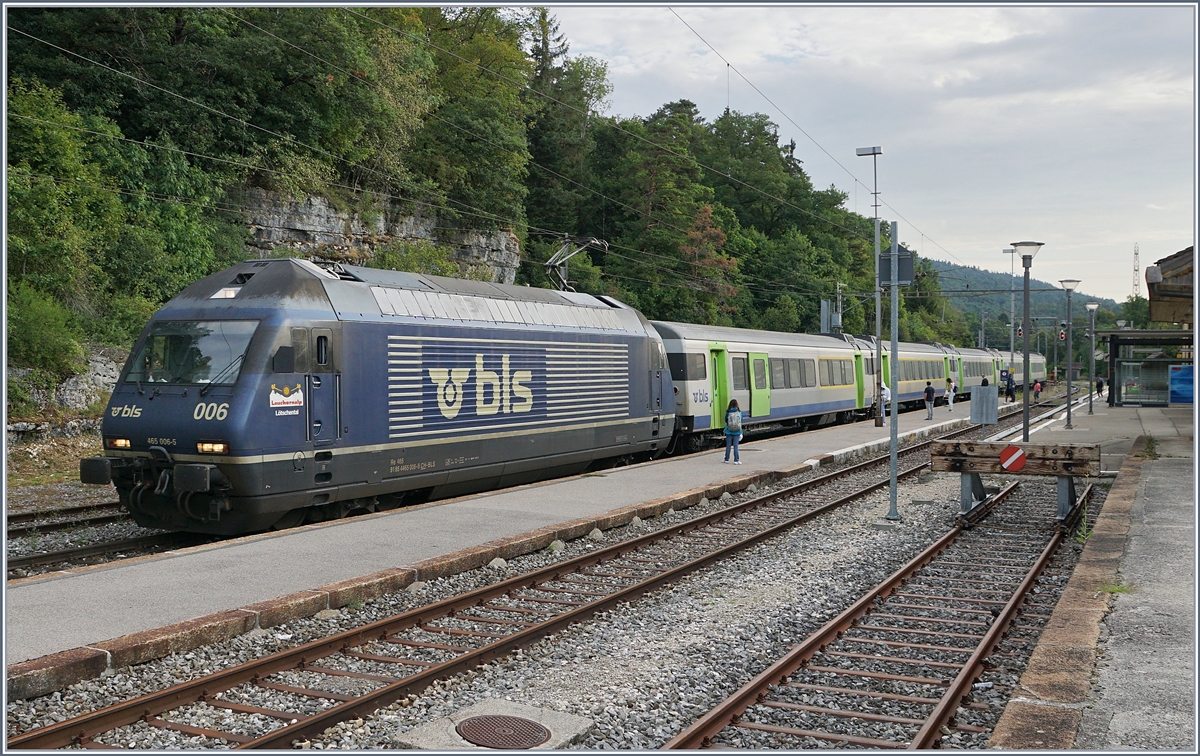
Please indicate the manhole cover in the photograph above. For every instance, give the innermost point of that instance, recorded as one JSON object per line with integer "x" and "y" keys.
{"x": 499, "y": 731}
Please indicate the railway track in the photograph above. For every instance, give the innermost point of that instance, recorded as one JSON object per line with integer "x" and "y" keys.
{"x": 20, "y": 565}
{"x": 150, "y": 543}
{"x": 356, "y": 672}
{"x": 49, "y": 520}
{"x": 894, "y": 670}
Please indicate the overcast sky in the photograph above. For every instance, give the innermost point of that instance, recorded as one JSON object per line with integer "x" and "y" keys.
{"x": 1073, "y": 126}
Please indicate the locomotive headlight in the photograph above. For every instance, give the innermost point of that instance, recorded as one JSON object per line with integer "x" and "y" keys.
{"x": 116, "y": 443}
{"x": 212, "y": 447}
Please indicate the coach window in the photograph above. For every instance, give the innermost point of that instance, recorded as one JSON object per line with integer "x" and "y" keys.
{"x": 760, "y": 374}
{"x": 741, "y": 379}
{"x": 687, "y": 367}
{"x": 778, "y": 374}
{"x": 810, "y": 372}
{"x": 793, "y": 374}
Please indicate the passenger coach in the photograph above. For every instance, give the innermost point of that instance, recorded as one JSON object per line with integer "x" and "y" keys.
{"x": 788, "y": 378}
{"x": 280, "y": 391}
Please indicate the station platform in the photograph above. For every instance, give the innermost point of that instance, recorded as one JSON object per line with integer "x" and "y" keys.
{"x": 1114, "y": 670}
{"x": 74, "y": 625}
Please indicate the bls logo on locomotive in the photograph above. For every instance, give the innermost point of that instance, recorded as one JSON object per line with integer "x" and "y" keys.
{"x": 494, "y": 392}
{"x": 128, "y": 410}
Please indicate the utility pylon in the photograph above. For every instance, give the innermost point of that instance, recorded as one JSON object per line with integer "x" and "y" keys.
{"x": 1137, "y": 273}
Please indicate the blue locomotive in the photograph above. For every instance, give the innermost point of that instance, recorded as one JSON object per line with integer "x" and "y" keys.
{"x": 283, "y": 391}
{"x": 279, "y": 392}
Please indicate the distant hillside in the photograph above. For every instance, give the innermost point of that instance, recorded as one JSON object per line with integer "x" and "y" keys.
{"x": 1047, "y": 299}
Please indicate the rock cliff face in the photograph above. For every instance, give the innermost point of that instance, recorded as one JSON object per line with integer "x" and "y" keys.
{"x": 313, "y": 227}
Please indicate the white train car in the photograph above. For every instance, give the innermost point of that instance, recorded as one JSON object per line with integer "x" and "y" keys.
{"x": 1037, "y": 366}
{"x": 788, "y": 378}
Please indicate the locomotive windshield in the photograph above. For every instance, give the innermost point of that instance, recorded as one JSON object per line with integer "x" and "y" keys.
{"x": 192, "y": 352}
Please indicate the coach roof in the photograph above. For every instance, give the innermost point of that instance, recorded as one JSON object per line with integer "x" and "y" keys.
{"x": 741, "y": 335}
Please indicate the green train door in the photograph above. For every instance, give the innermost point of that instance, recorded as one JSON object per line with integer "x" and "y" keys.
{"x": 718, "y": 383}
{"x": 760, "y": 385}
{"x": 859, "y": 380}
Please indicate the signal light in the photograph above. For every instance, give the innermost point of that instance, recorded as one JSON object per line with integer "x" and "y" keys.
{"x": 1062, "y": 335}
{"x": 1020, "y": 331}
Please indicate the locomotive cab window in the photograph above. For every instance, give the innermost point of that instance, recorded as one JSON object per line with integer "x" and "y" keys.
{"x": 322, "y": 350}
{"x": 192, "y": 352}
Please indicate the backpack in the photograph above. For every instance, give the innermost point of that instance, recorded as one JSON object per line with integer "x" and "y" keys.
{"x": 733, "y": 421}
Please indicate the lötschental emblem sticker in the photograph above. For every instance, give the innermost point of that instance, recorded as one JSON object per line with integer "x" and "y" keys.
{"x": 287, "y": 396}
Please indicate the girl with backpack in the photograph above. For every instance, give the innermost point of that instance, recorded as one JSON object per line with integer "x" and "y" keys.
{"x": 733, "y": 431}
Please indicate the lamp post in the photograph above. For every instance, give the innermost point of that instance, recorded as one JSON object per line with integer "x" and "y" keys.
{"x": 1069, "y": 285}
{"x": 1027, "y": 249}
{"x": 1012, "y": 305}
{"x": 875, "y": 152}
{"x": 1091, "y": 308}
{"x": 894, "y": 369}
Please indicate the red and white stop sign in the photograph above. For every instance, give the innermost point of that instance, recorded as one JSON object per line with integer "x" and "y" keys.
{"x": 1012, "y": 458}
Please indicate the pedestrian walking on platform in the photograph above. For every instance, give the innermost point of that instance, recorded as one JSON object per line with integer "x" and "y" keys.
{"x": 930, "y": 398}
{"x": 887, "y": 404}
{"x": 1037, "y": 390}
{"x": 1100, "y": 387}
{"x": 951, "y": 390}
{"x": 733, "y": 431}
{"x": 1010, "y": 391}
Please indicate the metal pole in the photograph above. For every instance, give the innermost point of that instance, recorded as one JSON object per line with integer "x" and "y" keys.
{"x": 1054, "y": 336}
{"x": 1012, "y": 308}
{"x": 895, "y": 365}
{"x": 879, "y": 410}
{"x": 1026, "y": 262}
{"x": 1092, "y": 359}
{"x": 1070, "y": 334}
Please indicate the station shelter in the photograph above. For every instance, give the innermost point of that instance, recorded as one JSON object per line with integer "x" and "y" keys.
{"x": 1138, "y": 379}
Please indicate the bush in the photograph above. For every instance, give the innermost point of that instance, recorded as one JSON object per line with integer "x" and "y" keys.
{"x": 26, "y": 390}
{"x": 40, "y": 334}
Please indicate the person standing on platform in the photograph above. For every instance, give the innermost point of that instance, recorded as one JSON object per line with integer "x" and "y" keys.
{"x": 1100, "y": 387}
{"x": 951, "y": 390}
{"x": 887, "y": 404}
{"x": 930, "y": 398}
{"x": 733, "y": 431}
{"x": 1010, "y": 390}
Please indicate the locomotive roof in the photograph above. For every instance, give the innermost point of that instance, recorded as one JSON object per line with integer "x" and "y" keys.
{"x": 355, "y": 292}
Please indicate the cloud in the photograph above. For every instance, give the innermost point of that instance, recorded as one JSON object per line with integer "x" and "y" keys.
{"x": 1070, "y": 124}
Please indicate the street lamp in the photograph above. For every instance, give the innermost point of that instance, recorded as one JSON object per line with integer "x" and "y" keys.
{"x": 1091, "y": 308}
{"x": 1012, "y": 305}
{"x": 875, "y": 152}
{"x": 1027, "y": 249}
{"x": 1069, "y": 285}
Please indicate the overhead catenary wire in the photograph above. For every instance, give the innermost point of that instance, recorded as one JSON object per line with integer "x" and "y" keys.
{"x": 776, "y": 286}
{"x": 723, "y": 174}
{"x": 783, "y": 113}
{"x": 478, "y": 212}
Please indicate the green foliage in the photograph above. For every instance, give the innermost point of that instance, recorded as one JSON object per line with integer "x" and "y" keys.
{"x": 425, "y": 257}
{"x": 125, "y": 170}
{"x": 40, "y": 333}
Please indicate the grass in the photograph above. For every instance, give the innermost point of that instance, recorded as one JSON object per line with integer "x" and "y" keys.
{"x": 1117, "y": 588}
{"x": 1151, "y": 451}
{"x": 53, "y": 460}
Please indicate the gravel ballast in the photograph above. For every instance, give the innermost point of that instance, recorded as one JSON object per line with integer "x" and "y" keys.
{"x": 641, "y": 672}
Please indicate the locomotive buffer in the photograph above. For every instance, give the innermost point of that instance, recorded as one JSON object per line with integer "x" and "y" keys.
{"x": 971, "y": 458}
